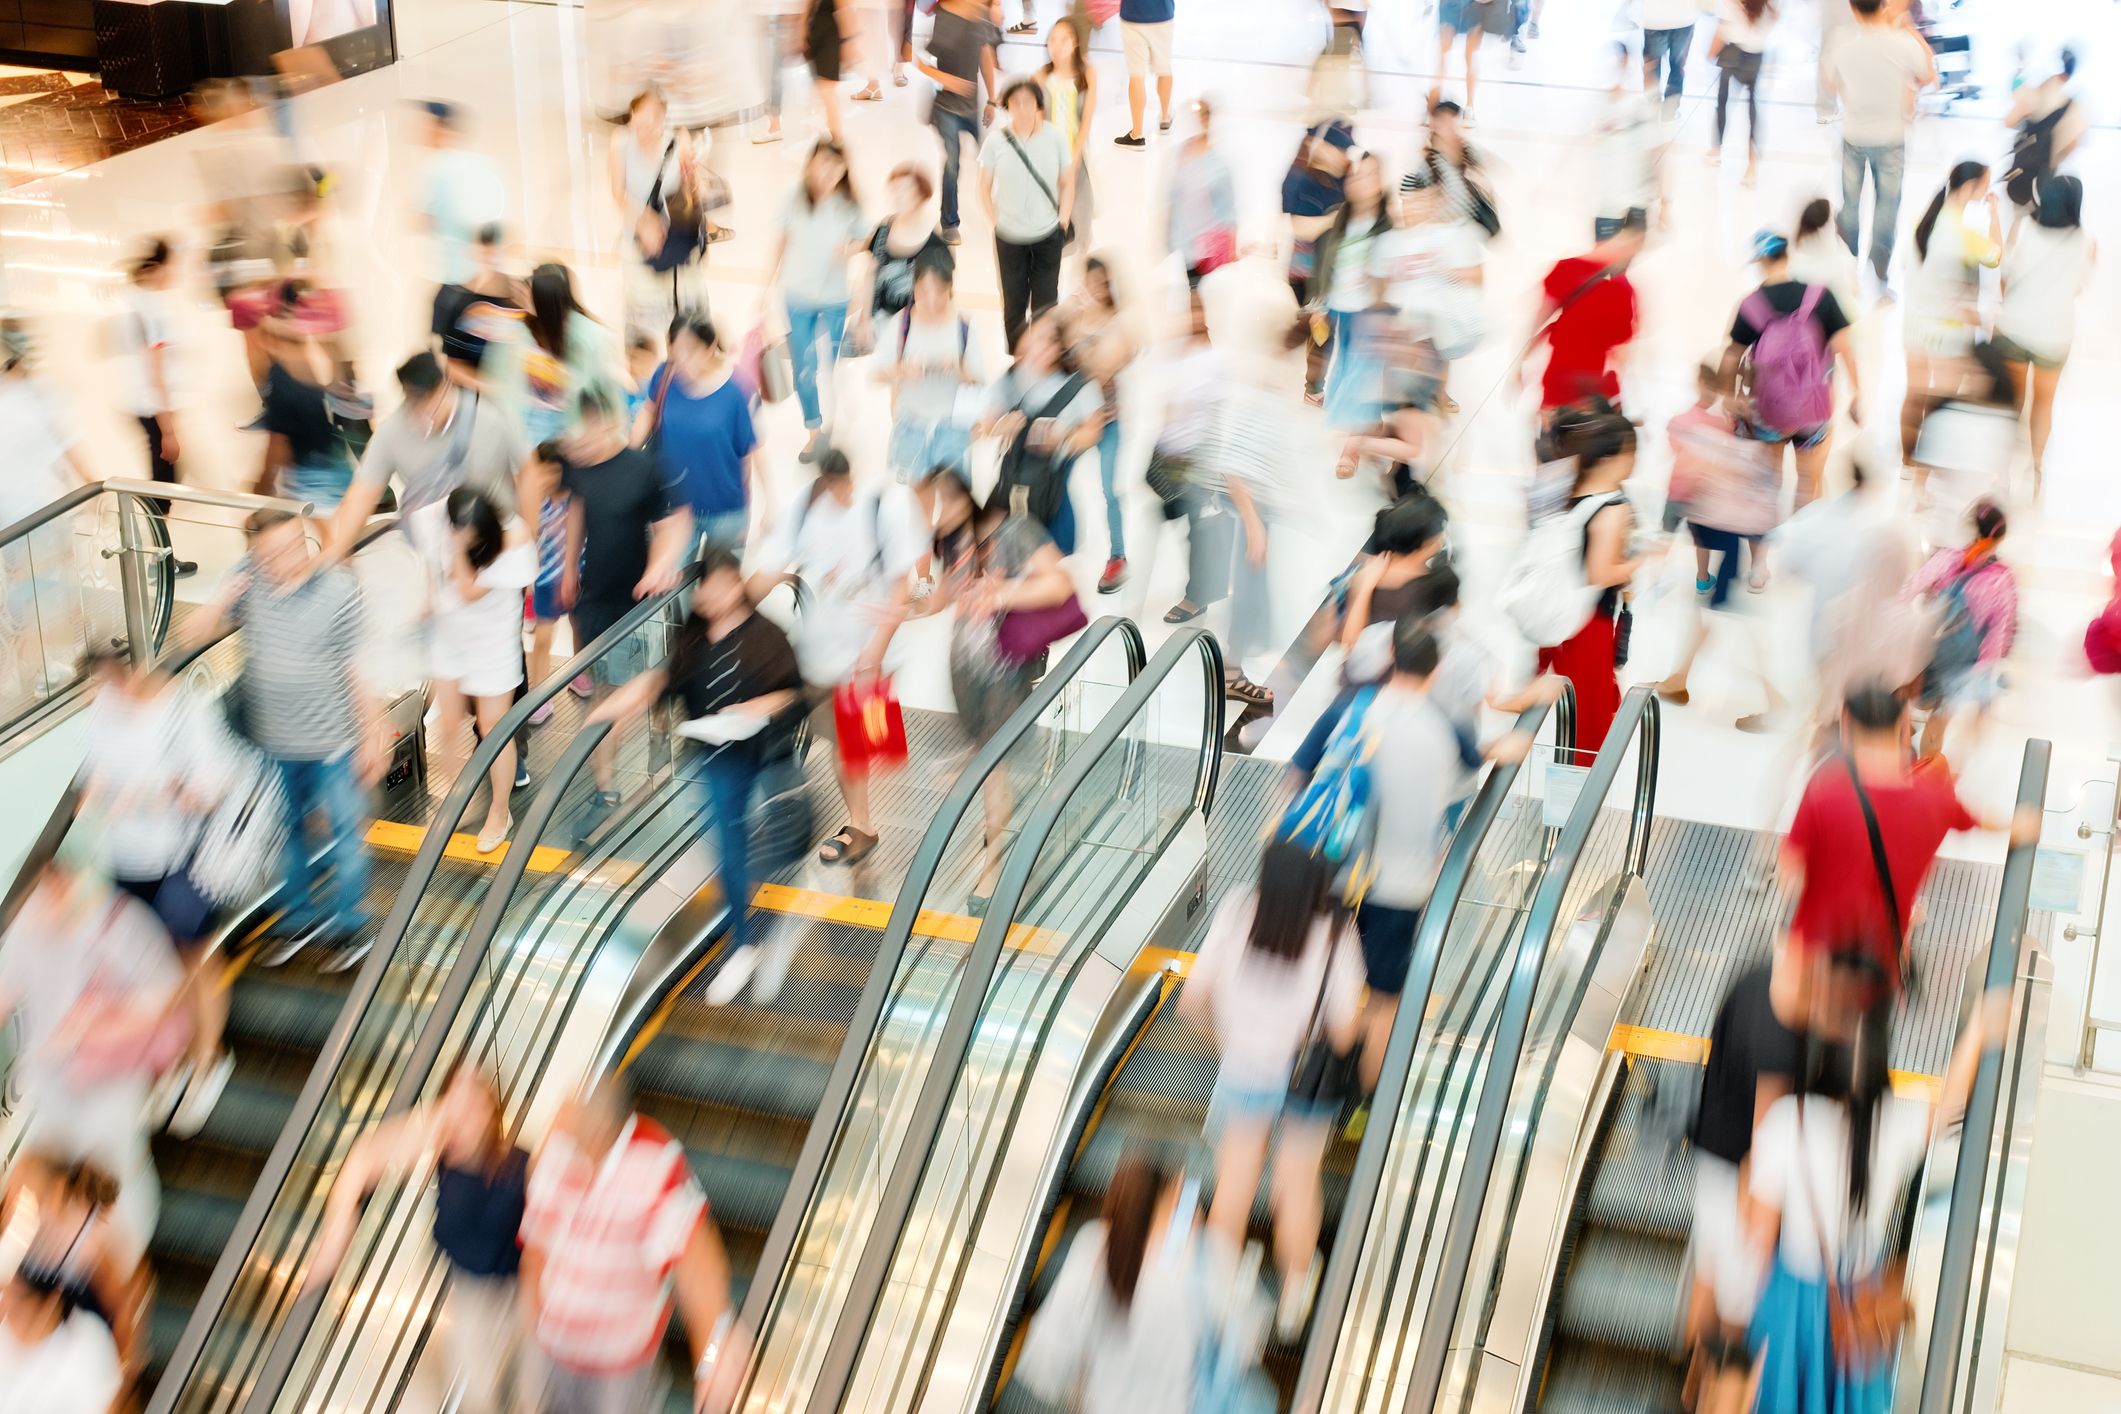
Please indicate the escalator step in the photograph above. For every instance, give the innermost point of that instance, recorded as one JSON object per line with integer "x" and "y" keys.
{"x": 248, "y": 1117}
{"x": 278, "y": 1007}
{"x": 195, "y": 1226}
{"x": 759, "y": 1082}
{"x": 1634, "y": 1188}
{"x": 741, "y": 1193}
{"x": 1624, "y": 1290}
{"x": 1588, "y": 1379}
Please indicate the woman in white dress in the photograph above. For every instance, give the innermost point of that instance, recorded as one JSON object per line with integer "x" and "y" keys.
{"x": 1952, "y": 247}
{"x": 478, "y": 632}
{"x": 2045, "y": 269}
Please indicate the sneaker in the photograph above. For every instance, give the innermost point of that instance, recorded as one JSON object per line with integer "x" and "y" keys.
{"x": 346, "y": 955}
{"x": 162, "y": 1100}
{"x": 280, "y": 949}
{"x": 1115, "y": 575}
{"x": 1532, "y": 28}
{"x": 1517, "y": 44}
{"x": 201, "y": 1096}
{"x": 543, "y": 715}
{"x": 728, "y": 983}
{"x": 812, "y": 449}
{"x": 950, "y": 236}
{"x": 772, "y": 968}
{"x": 1294, "y": 1309}
{"x": 522, "y": 776}
{"x": 582, "y": 686}
{"x": 1130, "y": 140}
{"x": 187, "y": 568}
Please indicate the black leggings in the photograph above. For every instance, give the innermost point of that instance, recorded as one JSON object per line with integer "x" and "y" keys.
{"x": 1740, "y": 66}
{"x": 1030, "y": 277}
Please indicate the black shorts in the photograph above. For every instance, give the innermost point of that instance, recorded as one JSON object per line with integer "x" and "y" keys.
{"x": 176, "y": 900}
{"x": 1387, "y": 945}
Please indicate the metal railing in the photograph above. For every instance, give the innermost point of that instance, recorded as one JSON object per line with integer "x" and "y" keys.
{"x": 930, "y": 1110}
{"x": 1337, "y": 1286}
{"x": 285, "y": 1266}
{"x": 456, "y": 992}
{"x": 1956, "y": 1276}
{"x": 1636, "y": 726}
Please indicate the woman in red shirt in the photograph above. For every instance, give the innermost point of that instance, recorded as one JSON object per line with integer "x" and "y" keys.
{"x": 1586, "y": 316}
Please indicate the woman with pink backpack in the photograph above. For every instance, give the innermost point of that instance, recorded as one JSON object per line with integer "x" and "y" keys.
{"x": 1785, "y": 340}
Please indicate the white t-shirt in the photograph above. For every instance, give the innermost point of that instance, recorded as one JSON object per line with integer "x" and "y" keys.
{"x": 1417, "y": 264}
{"x": 140, "y": 753}
{"x": 2043, "y": 277}
{"x": 850, "y": 574}
{"x": 49, "y": 959}
{"x": 947, "y": 353}
{"x": 1670, "y": 14}
{"x": 1350, "y": 293}
{"x": 37, "y": 440}
{"x": 464, "y": 191}
{"x": 478, "y": 642}
{"x": 143, "y": 324}
{"x": 1874, "y": 68}
{"x": 1262, "y": 1005}
{"x": 1800, "y": 1165}
{"x": 74, "y": 1370}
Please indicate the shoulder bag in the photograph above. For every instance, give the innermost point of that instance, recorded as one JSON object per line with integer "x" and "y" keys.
{"x": 1883, "y": 865}
{"x": 1067, "y": 230}
{"x": 1042, "y": 475}
{"x": 1323, "y": 1077}
{"x": 1864, "y": 1317}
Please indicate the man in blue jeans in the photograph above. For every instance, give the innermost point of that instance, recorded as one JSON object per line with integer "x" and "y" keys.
{"x": 961, "y": 48}
{"x": 304, "y": 706}
{"x": 1667, "y": 34}
{"x": 1875, "y": 66}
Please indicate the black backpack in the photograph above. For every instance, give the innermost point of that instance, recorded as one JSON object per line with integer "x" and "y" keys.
{"x": 1042, "y": 476}
{"x": 2033, "y": 154}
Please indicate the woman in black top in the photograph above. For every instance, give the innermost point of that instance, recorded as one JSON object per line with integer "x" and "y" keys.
{"x": 903, "y": 240}
{"x": 479, "y": 1191}
{"x": 726, "y": 661}
{"x": 307, "y": 456}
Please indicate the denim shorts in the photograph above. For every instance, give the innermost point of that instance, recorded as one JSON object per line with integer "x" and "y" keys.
{"x": 917, "y": 448}
{"x": 1250, "y": 1104}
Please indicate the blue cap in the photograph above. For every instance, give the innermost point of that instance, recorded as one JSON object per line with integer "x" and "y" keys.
{"x": 1769, "y": 245}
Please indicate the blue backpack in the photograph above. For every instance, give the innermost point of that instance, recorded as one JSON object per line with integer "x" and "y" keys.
{"x": 1335, "y": 816}
{"x": 1958, "y": 643}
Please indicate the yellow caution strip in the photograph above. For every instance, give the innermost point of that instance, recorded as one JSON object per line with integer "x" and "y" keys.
{"x": 1652, "y": 1044}
{"x": 407, "y": 839}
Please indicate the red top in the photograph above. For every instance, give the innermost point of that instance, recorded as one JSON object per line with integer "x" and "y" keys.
{"x": 1841, "y": 900}
{"x": 1595, "y": 319}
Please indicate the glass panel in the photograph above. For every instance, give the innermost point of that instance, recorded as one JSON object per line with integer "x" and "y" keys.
{"x": 382, "y": 1041}
{"x": 949, "y": 913}
{"x": 1109, "y": 833}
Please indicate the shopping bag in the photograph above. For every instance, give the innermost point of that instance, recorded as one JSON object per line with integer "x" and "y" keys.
{"x": 870, "y": 724}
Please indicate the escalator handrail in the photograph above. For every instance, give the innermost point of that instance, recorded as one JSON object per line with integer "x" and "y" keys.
{"x": 931, "y": 1106}
{"x": 1955, "y": 1272}
{"x": 146, "y": 490}
{"x": 1636, "y": 724}
{"x": 441, "y": 1020}
{"x": 279, "y": 1165}
{"x": 1336, "y": 1287}
{"x": 173, "y": 662}
{"x": 809, "y": 1169}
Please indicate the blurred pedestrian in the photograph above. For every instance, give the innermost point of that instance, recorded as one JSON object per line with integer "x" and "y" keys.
{"x": 1739, "y": 47}
{"x": 614, "y": 1228}
{"x": 885, "y": 268}
{"x": 2047, "y": 265}
{"x": 1587, "y": 317}
{"x": 730, "y": 662}
{"x": 1472, "y": 20}
{"x": 579, "y": 355}
{"x": 1667, "y": 35}
{"x": 146, "y": 342}
{"x": 1343, "y": 288}
{"x": 1312, "y": 194}
{"x": 659, "y": 190}
{"x": 1786, "y": 340}
{"x": 961, "y": 43}
{"x": 1146, "y": 27}
{"x": 781, "y": 44}
{"x": 462, "y": 192}
{"x": 1428, "y": 267}
{"x": 1974, "y": 598}
{"x": 1817, "y": 256}
{"x": 1101, "y": 346}
{"x": 935, "y": 364}
{"x": 46, "y": 626}
{"x": 1959, "y": 236}
{"x": 1181, "y": 479}
{"x": 1875, "y": 67}
{"x": 1028, "y": 184}
{"x": 1044, "y": 416}
{"x": 821, "y": 229}
{"x": 480, "y": 1178}
{"x": 305, "y": 706}
{"x": 698, "y": 423}
{"x": 1200, "y": 203}
{"x": 310, "y": 428}
{"x": 1280, "y": 979}
{"x": 54, "y": 1357}
{"x": 1631, "y": 146}
{"x": 60, "y": 1211}
{"x": 1070, "y": 85}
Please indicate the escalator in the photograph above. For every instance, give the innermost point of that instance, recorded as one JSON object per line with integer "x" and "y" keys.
{"x": 617, "y": 931}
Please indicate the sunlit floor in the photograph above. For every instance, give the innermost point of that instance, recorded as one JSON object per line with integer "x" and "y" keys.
{"x": 521, "y": 67}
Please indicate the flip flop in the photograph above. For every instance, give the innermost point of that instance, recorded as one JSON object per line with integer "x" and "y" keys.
{"x": 847, "y": 846}
{"x": 1177, "y": 615}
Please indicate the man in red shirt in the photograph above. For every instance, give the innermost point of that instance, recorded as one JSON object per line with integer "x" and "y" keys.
{"x": 1587, "y": 316}
{"x": 1827, "y": 858}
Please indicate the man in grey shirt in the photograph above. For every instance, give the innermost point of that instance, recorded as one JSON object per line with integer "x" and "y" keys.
{"x": 1029, "y": 187}
{"x": 306, "y": 708}
{"x": 441, "y": 437}
{"x": 1875, "y": 66}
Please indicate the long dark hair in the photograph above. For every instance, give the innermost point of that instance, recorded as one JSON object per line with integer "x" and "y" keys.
{"x": 1963, "y": 174}
{"x": 826, "y": 147}
{"x": 470, "y": 510}
{"x": 2058, "y": 202}
{"x": 1593, "y": 432}
{"x": 1856, "y": 1074}
{"x": 1130, "y": 1210}
{"x": 552, "y": 303}
{"x": 1754, "y": 9}
{"x": 1345, "y": 216}
{"x": 1294, "y": 893}
{"x": 1817, "y": 212}
{"x": 1078, "y": 24}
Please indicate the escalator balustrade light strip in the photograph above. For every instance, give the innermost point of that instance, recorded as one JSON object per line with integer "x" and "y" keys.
{"x": 1647, "y": 1043}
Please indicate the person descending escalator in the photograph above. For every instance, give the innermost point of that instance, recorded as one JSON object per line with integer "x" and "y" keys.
{"x": 480, "y": 1178}
{"x": 1280, "y": 979}
{"x": 54, "y": 1357}
{"x": 1151, "y": 1313}
{"x": 616, "y": 1230}
{"x": 60, "y": 1212}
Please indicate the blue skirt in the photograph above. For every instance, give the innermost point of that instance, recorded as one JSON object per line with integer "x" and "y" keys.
{"x": 1791, "y": 1346}
{"x": 1355, "y": 379}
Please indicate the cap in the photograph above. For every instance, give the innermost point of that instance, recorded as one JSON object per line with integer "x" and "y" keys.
{"x": 1769, "y": 245}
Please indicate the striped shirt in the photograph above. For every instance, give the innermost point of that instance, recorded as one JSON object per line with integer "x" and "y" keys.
{"x": 298, "y": 663}
{"x": 611, "y": 1231}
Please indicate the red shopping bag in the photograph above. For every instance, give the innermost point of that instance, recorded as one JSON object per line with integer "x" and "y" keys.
{"x": 871, "y": 725}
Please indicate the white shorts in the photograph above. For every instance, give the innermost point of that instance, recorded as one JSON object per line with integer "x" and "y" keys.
{"x": 1148, "y": 48}
{"x": 1722, "y": 1257}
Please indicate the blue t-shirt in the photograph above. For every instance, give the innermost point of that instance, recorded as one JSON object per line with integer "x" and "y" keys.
{"x": 701, "y": 444}
{"x": 1148, "y": 12}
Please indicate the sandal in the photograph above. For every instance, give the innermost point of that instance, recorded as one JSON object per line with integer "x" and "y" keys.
{"x": 871, "y": 94}
{"x": 1022, "y": 27}
{"x": 1179, "y": 614}
{"x": 1674, "y": 691}
{"x": 1243, "y": 689}
{"x": 609, "y": 799}
{"x": 847, "y": 846}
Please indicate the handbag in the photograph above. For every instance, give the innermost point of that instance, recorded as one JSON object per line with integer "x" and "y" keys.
{"x": 1215, "y": 250}
{"x": 1166, "y": 476}
{"x": 1864, "y": 1317}
{"x": 684, "y": 222}
{"x": 1023, "y": 634}
{"x": 1882, "y": 863}
{"x": 110, "y": 1052}
{"x": 1323, "y": 1078}
{"x": 240, "y": 844}
{"x": 781, "y": 822}
{"x": 1067, "y": 228}
{"x": 870, "y": 725}
{"x": 1042, "y": 475}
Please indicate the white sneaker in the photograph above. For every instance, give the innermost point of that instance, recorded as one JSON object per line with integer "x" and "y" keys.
{"x": 346, "y": 956}
{"x": 201, "y": 1096}
{"x": 772, "y": 968}
{"x": 729, "y": 982}
{"x": 169, "y": 1090}
{"x": 1294, "y": 1308}
{"x": 278, "y": 950}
